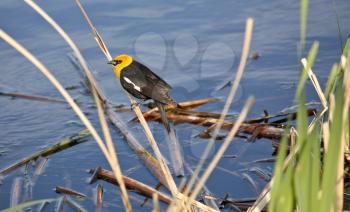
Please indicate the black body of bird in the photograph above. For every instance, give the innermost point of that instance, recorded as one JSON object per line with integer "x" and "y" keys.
{"x": 142, "y": 83}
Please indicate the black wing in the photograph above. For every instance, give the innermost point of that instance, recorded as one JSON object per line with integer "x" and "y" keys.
{"x": 150, "y": 85}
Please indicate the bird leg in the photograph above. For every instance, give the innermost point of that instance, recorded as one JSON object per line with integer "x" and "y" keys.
{"x": 135, "y": 104}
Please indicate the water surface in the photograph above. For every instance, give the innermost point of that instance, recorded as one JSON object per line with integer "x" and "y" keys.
{"x": 194, "y": 45}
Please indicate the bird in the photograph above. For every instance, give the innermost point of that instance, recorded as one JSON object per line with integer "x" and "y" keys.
{"x": 139, "y": 81}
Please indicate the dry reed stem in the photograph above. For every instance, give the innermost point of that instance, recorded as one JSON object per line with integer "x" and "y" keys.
{"x": 112, "y": 152}
{"x": 67, "y": 39}
{"x": 57, "y": 85}
{"x": 239, "y": 74}
{"x": 171, "y": 183}
{"x": 97, "y": 36}
{"x": 325, "y": 133}
{"x": 319, "y": 92}
{"x": 169, "y": 179}
{"x": 343, "y": 61}
{"x": 111, "y": 155}
{"x": 165, "y": 169}
{"x": 66, "y": 95}
{"x": 315, "y": 83}
{"x": 149, "y": 161}
{"x": 100, "y": 42}
{"x": 221, "y": 150}
{"x": 340, "y": 169}
{"x": 155, "y": 202}
{"x": 293, "y": 137}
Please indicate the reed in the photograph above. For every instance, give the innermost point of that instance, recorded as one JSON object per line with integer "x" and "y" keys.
{"x": 219, "y": 124}
{"x": 109, "y": 150}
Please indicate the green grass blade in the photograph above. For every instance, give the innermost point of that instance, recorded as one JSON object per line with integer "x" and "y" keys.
{"x": 315, "y": 169}
{"x": 332, "y": 80}
{"x": 304, "y": 4}
{"x": 286, "y": 198}
{"x": 336, "y": 72}
{"x": 347, "y": 46}
{"x": 25, "y": 205}
{"x": 310, "y": 61}
{"x": 331, "y": 157}
{"x": 303, "y": 165}
{"x": 340, "y": 34}
{"x": 278, "y": 173}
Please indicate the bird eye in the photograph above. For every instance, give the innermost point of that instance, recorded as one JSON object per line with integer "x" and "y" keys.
{"x": 119, "y": 61}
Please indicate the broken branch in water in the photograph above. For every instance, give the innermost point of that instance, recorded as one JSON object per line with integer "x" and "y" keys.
{"x": 184, "y": 105}
{"x": 273, "y": 130}
{"x": 32, "y": 97}
{"x": 141, "y": 188}
{"x": 266, "y": 130}
{"x": 99, "y": 198}
{"x": 68, "y": 191}
{"x": 65, "y": 143}
{"x": 130, "y": 183}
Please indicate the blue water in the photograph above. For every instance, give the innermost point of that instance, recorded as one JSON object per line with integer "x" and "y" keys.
{"x": 194, "y": 45}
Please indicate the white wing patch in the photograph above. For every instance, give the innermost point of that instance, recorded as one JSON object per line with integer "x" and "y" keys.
{"x": 130, "y": 82}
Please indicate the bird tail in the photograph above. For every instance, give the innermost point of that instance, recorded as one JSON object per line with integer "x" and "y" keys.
{"x": 174, "y": 147}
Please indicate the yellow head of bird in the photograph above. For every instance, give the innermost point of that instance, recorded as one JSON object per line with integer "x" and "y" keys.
{"x": 120, "y": 62}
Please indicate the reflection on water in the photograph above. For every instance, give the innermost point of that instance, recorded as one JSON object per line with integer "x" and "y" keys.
{"x": 194, "y": 45}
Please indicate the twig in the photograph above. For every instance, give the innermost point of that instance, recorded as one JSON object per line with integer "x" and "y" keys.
{"x": 99, "y": 198}
{"x": 60, "y": 204}
{"x": 315, "y": 83}
{"x": 68, "y": 191}
{"x": 43, "y": 206}
{"x": 65, "y": 143}
{"x": 97, "y": 37}
{"x": 32, "y": 97}
{"x": 74, "y": 205}
{"x": 40, "y": 168}
{"x": 251, "y": 182}
{"x": 266, "y": 130}
{"x": 184, "y": 105}
{"x": 144, "y": 189}
{"x": 132, "y": 184}
{"x": 16, "y": 191}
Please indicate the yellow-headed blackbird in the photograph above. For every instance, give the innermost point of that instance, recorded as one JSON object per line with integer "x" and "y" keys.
{"x": 142, "y": 83}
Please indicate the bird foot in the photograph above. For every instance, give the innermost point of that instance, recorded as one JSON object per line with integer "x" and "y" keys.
{"x": 133, "y": 105}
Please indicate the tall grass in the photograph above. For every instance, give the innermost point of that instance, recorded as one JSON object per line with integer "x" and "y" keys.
{"x": 313, "y": 179}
